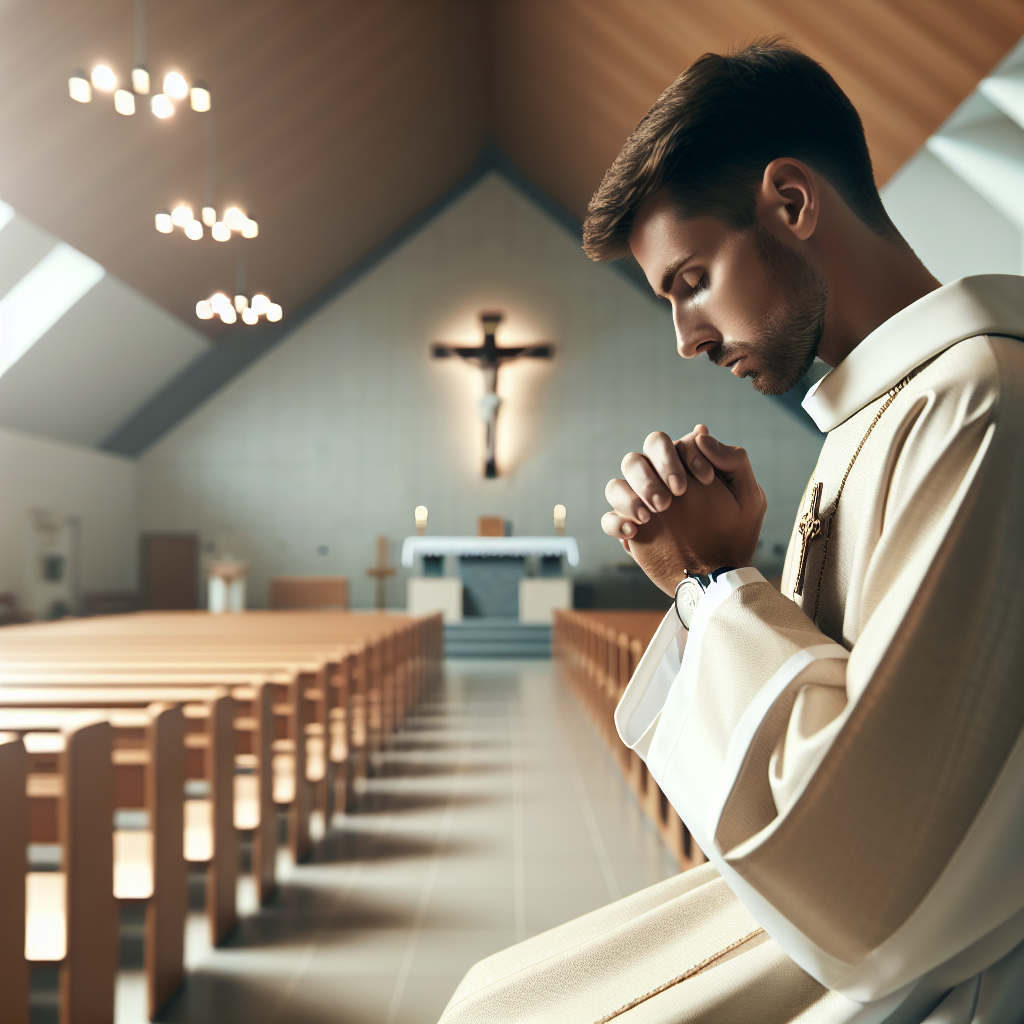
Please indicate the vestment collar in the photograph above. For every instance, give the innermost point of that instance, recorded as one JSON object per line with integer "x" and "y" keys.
{"x": 986, "y": 304}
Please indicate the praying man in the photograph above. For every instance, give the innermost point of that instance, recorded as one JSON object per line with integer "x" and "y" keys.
{"x": 847, "y": 751}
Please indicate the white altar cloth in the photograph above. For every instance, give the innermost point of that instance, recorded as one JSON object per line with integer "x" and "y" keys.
{"x": 490, "y": 547}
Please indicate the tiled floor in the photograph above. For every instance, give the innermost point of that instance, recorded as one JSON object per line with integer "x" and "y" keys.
{"x": 496, "y": 814}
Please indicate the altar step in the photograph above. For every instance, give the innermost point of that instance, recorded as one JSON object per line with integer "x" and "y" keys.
{"x": 496, "y": 638}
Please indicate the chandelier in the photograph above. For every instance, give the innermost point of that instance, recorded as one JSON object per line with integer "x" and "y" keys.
{"x": 176, "y": 88}
{"x": 218, "y": 304}
{"x": 232, "y": 220}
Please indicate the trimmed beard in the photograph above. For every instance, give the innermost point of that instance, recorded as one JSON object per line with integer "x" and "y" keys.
{"x": 790, "y": 331}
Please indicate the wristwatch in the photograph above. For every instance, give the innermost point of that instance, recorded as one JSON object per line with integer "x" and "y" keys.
{"x": 690, "y": 592}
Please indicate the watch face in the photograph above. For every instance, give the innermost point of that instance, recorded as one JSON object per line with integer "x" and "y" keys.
{"x": 687, "y": 598}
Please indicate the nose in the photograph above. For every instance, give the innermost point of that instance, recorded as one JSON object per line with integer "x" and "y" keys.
{"x": 691, "y": 339}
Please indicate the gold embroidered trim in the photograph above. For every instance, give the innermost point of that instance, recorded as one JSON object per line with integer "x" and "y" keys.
{"x": 696, "y": 969}
{"x": 893, "y": 392}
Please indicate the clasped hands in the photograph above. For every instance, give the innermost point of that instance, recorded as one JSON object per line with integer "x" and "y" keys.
{"x": 685, "y": 507}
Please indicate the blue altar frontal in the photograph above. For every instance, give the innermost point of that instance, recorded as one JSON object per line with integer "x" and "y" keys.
{"x": 491, "y": 568}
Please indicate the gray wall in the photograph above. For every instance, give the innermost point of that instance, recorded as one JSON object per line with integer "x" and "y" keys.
{"x": 65, "y": 479}
{"x": 340, "y": 432}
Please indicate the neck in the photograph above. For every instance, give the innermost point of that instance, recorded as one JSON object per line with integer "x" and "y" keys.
{"x": 869, "y": 281}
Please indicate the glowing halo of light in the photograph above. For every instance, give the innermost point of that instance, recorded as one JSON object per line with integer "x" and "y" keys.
{"x": 175, "y": 85}
{"x": 219, "y": 304}
{"x": 79, "y": 87}
{"x": 199, "y": 97}
{"x": 161, "y": 105}
{"x": 103, "y": 78}
{"x": 124, "y": 102}
{"x": 140, "y": 80}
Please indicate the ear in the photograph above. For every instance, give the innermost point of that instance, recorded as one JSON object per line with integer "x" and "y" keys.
{"x": 789, "y": 199}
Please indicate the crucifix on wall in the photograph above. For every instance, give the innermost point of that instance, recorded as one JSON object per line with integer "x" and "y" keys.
{"x": 490, "y": 359}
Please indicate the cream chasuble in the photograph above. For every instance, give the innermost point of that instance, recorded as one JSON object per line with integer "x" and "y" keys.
{"x": 848, "y": 752}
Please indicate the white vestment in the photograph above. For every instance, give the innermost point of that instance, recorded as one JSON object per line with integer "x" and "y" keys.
{"x": 848, "y": 752}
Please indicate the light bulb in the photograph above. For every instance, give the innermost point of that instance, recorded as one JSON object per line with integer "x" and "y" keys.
{"x": 241, "y": 303}
{"x": 228, "y": 315}
{"x": 219, "y": 302}
{"x": 204, "y": 309}
{"x": 161, "y": 105}
{"x": 260, "y": 303}
{"x": 79, "y": 88}
{"x": 140, "y": 80}
{"x": 209, "y": 216}
{"x": 103, "y": 78}
{"x": 194, "y": 230}
{"x": 124, "y": 102}
{"x": 164, "y": 223}
{"x": 250, "y": 229}
{"x": 200, "y": 94}
{"x": 274, "y": 312}
{"x": 175, "y": 85}
{"x": 220, "y": 231}
{"x": 249, "y": 317}
{"x": 234, "y": 218}
{"x": 181, "y": 216}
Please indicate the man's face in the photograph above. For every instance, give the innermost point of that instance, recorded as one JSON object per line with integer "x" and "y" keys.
{"x": 743, "y": 298}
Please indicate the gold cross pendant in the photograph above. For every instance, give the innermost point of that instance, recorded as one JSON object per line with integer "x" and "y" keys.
{"x": 809, "y": 526}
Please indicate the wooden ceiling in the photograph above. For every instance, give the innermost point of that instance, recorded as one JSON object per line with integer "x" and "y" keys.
{"x": 338, "y": 120}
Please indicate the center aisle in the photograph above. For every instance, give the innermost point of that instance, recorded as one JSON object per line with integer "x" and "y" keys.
{"x": 496, "y": 814}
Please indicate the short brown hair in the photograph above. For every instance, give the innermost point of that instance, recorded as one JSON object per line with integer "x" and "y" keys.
{"x": 713, "y": 131}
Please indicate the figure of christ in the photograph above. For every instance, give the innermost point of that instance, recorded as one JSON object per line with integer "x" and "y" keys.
{"x": 847, "y": 751}
{"x": 490, "y": 358}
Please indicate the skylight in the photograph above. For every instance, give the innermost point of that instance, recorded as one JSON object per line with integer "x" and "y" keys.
{"x": 42, "y": 297}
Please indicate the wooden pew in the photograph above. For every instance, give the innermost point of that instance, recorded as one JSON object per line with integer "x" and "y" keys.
{"x": 207, "y": 834}
{"x": 362, "y": 690}
{"x": 255, "y": 698}
{"x": 323, "y": 690}
{"x": 300, "y": 704}
{"x": 597, "y": 653}
{"x": 14, "y": 968}
{"x": 148, "y": 760}
{"x": 66, "y": 917}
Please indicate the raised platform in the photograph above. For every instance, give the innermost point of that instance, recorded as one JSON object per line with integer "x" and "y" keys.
{"x": 478, "y": 637}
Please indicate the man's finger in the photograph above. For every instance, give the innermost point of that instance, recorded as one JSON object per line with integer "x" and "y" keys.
{"x": 618, "y": 527}
{"x": 733, "y": 465}
{"x": 662, "y": 454}
{"x": 644, "y": 480}
{"x": 696, "y": 464}
{"x": 624, "y": 500}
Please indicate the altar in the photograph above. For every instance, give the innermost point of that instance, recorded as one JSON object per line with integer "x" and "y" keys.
{"x": 492, "y": 579}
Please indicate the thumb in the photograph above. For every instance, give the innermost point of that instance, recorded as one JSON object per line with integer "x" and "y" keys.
{"x": 733, "y": 464}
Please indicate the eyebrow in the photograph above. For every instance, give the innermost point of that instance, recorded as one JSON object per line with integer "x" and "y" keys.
{"x": 672, "y": 269}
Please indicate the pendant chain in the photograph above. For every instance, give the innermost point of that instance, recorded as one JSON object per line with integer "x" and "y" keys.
{"x": 893, "y": 392}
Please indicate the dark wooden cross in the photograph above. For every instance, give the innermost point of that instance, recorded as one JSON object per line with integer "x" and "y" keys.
{"x": 809, "y": 526}
{"x": 490, "y": 359}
